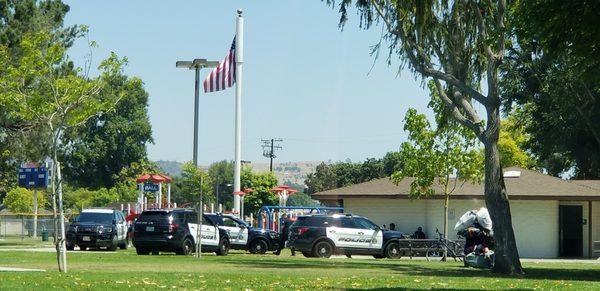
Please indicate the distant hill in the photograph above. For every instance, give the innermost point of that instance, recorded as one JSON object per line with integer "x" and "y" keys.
{"x": 290, "y": 173}
{"x": 171, "y": 168}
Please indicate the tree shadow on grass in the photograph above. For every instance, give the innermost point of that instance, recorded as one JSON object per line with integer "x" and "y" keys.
{"x": 424, "y": 269}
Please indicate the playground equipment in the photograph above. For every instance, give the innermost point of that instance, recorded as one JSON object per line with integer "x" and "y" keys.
{"x": 152, "y": 183}
{"x": 269, "y": 216}
{"x": 284, "y": 193}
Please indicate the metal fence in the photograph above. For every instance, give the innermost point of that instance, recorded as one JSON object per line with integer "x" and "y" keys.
{"x": 11, "y": 226}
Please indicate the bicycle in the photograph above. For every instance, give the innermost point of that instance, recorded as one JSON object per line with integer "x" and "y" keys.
{"x": 436, "y": 250}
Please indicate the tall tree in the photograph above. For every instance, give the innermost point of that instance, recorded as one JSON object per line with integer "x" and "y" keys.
{"x": 552, "y": 77}
{"x": 35, "y": 88}
{"x": 19, "y": 139}
{"x": 460, "y": 46}
{"x": 105, "y": 144}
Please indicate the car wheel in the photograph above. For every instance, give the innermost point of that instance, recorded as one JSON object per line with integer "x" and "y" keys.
{"x": 223, "y": 248}
{"x": 83, "y": 248}
{"x": 124, "y": 244}
{"x": 141, "y": 251}
{"x": 392, "y": 251}
{"x": 155, "y": 253}
{"x": 187, "y": 247}
{"x": 70, "y": 247}
{"x": 112, "y": 247}
{"x": 323, "y": 249}
{"x": 308, "y": 254}
{"x": 258, "y": 246}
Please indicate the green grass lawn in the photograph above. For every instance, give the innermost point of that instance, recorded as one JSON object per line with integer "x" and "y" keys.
{"x": 240, "y": 271}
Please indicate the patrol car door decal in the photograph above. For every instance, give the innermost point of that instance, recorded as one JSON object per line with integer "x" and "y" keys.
{"x": 237, "y": 235}
{"x": 373, "y": 238}
{"x": 210, "y": 234}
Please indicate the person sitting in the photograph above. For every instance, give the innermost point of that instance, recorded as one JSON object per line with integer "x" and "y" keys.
{"x": 419, "y": 234}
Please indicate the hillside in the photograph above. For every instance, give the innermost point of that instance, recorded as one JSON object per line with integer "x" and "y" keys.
{"x": 286, "y": 173}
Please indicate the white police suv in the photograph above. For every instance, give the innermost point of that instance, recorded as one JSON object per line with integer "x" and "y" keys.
{"x": 245, "y": 237}
{"x": 323, "y": 235}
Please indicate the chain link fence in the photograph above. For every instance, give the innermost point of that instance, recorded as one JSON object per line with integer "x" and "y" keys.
{"x": 23, "y": 226}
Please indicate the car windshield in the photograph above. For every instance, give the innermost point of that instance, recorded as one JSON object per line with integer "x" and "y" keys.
{"x": 95, "y": 217}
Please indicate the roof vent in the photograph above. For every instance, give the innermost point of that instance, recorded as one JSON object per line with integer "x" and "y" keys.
{"x": 512, "y": 174}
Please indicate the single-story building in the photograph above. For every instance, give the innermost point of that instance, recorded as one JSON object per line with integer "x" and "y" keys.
{"x": 551, "y": 217}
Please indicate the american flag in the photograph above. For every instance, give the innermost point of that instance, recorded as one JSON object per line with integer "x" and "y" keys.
{"x": 223, "y": 76}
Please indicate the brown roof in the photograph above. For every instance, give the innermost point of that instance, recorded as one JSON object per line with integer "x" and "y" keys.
{"x": 594, "y": 184}
{"x": 530, "y": 185}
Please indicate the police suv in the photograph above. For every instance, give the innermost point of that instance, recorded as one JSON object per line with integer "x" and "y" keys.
{"x": 323, "y": 235}
{"x": 244, "y": 236}
{"x": 98, "y": 228}
{"x": 175, "y": 230}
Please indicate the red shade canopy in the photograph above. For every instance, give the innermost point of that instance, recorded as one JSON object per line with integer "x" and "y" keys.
{"x": 155, "y": 178}
{"x": 282, "y": 188}
{"x": 239, "y": 193}
{"x": 248, "y": 190}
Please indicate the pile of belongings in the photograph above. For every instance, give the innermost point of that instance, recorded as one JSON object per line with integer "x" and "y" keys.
{"x": 476, "y": 227}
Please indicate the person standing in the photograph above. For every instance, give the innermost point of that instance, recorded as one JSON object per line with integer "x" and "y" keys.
{"x": 284, "y": 236}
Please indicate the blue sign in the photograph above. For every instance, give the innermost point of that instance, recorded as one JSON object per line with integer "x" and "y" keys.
{"x": 33, "y": 177}
{"x": 150, "y": 187}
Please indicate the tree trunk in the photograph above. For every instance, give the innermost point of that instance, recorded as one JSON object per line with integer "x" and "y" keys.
{"x": 507, "y": 256}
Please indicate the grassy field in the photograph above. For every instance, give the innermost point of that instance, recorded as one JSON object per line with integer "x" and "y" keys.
{"x": 241, "y": 271}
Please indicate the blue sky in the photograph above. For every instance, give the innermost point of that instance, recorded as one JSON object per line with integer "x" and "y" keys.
{"x": 304, "y": 80}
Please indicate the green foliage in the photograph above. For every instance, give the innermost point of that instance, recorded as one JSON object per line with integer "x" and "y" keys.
{"x": 261, "y": 183}
{"x": 188, "y": 185}
{"x": 563, "y": 27}
{"x": 432, "y": 155}
{"x": 20, "y": 200}
{"x": 342, "y": 174}
{"x": 105, "y": 144}
{"x": 78, "y": 199}
{"x": 511, "y": 145}
{"x": 221, "y": 175}
{"x": 551, "y": 84}
{"x": 302, "y": 199}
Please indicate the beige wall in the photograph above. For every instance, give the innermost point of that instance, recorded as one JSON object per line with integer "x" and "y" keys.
{"x": 535, "y": 222}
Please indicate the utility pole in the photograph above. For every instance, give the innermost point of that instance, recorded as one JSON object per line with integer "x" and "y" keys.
{"x": 269, "y": 148}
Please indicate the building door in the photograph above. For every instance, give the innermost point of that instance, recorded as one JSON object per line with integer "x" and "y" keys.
{"x": 571, "y": 231}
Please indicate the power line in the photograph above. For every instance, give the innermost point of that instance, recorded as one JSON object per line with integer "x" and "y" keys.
{"x": 269, "y": 148}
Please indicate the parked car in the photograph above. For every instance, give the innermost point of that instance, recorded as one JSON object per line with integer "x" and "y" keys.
{"x": 324, "y": 235}
{"x": 96, "y": 228}
{"x": 245, "y": 237}
{"x": 174, "y": 230}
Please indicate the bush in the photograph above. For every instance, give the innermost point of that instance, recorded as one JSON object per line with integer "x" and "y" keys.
{"x": 20, "y": 200}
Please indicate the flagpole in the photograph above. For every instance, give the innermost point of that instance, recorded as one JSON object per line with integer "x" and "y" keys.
{"x": 239, "y": 60}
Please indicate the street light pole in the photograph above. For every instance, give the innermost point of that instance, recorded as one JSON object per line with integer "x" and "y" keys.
{"x": 196, "y": 65}
{"x": 196, "y": 109}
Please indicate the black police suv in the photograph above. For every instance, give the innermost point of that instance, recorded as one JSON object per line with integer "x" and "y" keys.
{"x": 95, "y": 228}
{"x": 245, "y": 237}
{"x": 175, "y": 230}
{"x": 323, "y": 235}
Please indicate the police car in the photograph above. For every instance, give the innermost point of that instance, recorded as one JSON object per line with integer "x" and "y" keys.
{"x": 244, "y": 236}
{"x": 174, "y": 230}
{"x": 98, "y": 228}
{"x": 323, "y": 235}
